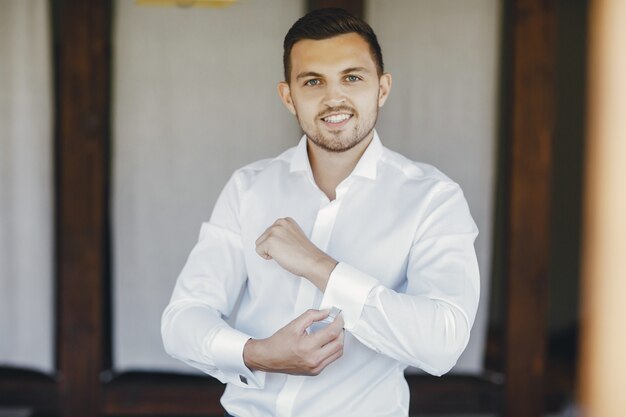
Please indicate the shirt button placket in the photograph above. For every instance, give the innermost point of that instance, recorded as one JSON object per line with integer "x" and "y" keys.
{"x": 308, "y": 297}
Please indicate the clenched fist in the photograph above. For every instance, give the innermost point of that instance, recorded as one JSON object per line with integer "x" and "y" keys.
{"x": 286, "y": 243}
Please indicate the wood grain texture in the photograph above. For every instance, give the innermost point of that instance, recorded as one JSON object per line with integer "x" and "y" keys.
{"x": 530, "y": 161}
{"x": 166, "y": 394}
{"x": 82, "y": 60}
{"x": 27, "y": 389}
{"x": 162, "y": 394}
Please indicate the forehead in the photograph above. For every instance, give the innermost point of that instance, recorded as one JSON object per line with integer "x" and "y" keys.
{"x": 331, "y": 55}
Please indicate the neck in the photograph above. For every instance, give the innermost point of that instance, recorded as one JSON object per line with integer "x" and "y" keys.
{"x": 330, "y": 168}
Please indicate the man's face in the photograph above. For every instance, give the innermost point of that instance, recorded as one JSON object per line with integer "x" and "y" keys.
{"x": 335, "y": 91}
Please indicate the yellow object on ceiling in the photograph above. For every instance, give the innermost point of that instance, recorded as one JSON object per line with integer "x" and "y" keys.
{"x": 186, "y": 3}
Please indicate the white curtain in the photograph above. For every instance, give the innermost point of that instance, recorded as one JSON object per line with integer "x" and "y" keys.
{"x": 443, "y": 55}
{"x": 195, "y": 98}
{"x": 26, "y": 180}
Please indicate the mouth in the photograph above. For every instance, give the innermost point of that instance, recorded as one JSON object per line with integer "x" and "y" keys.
{"x": 337, "y": 120}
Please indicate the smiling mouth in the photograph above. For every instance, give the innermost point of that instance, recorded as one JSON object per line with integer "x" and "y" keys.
{"x": 337, "y": 118}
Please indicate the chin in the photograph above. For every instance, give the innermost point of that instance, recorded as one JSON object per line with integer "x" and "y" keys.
{"x": 335, "y": 146}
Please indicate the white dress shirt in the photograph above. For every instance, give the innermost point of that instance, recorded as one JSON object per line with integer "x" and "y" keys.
{"x": 407, "y": 283}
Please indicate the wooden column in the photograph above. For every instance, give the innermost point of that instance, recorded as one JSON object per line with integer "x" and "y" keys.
{"x": 531, "y": 41}
{"x": 82, "y": 61}
{"x": 603, "y": 375}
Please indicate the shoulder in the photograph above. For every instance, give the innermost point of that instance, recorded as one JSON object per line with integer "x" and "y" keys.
{"x": 421, "y": 187}
{"x": 247, "y": 175}
{"x": 414, "y": 173}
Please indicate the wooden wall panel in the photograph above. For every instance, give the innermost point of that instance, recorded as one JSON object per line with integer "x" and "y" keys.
{"x": 82, "y": 59}
{"x": 532, "y": 24}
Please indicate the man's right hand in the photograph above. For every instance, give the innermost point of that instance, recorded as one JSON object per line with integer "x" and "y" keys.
{"x": 291, "y": 350}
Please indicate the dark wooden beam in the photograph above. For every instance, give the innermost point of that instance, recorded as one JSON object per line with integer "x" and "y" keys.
{"x": 454, "y": 394}
{"x": 145, "y": 394}
{"x": 356, "y": 7}
{"x": 27, "y": 389}
{"x": 82, "y": 62}
{"x": 532, "y": 39}
{"x": 163, "y": 394}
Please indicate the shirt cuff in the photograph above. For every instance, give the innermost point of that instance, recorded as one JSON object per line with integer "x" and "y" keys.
{"x": 227, "y": 351}
{"x": 347, "y": 289}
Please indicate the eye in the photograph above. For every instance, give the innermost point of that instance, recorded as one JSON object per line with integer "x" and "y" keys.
{"x": 312, "y": 82}
{"x": 352, "y": 78}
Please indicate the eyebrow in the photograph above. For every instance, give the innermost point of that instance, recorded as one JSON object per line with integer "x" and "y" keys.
{"x": 318, "y": 75}
{"x": 354, "y": 69}
{"x": 308, "y": 74}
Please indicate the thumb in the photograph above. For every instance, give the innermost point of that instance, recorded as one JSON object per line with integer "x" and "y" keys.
{"x": 309, "y": 317}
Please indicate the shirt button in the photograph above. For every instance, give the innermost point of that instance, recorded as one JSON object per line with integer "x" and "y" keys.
{"x": 243, "y": 379}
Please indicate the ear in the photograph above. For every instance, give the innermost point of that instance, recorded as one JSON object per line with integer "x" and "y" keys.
{"x": 284, "y": 91}
{"x": 384, "y": 87}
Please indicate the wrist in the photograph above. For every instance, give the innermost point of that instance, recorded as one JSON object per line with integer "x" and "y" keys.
{"x": 322, "y": 267}
{"x": 253, "y": 354}
{"x": 249, "y": 354}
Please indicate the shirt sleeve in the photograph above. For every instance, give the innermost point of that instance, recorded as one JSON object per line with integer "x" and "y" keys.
{"x": 426, "y": 325}
{"x": 192, "y": 326}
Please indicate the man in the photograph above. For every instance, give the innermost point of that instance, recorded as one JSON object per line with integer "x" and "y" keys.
{"x": 338, "y": 221}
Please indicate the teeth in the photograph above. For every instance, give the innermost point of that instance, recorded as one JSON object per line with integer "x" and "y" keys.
{"x": 337, "y": 118}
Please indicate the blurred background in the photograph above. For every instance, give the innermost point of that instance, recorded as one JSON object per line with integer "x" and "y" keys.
{"x": 120, "y": 122}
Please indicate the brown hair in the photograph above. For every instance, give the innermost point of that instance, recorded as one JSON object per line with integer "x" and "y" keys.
{"x": 327, "y": 23}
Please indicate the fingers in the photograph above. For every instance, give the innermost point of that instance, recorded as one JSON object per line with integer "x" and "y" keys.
{"x": 338, "y": 321}
{"x": 331, "y": 352}
{"x": 263, "y": 236}
{"x": 278, "y": 225}
{"x": 263, "y": 253}
{"x": 330, "y": 332}
{"x": 320, "y": 358}
{"x": 261, "y": 242}
{"x": 261, "y": 248}
{"x": 327, "y": 362}
{"x": 309, "y": 317}
{"x": 333, "y": 346}
{"x": 283, "y": 222}
{"x": 302, "y": 354}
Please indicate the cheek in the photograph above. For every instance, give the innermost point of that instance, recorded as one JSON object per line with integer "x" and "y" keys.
{"x": 367, "y": 101}
{"x": 306, "y": 106}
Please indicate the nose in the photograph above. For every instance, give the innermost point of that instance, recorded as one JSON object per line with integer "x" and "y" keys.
{"x": 334, "y": 102}
{"x": 334, "y": 95}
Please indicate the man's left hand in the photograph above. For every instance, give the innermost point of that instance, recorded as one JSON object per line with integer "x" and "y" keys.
{"x": 286, "y": 243}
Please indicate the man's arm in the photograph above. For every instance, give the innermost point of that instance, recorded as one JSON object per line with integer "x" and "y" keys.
{"x": 286, "y": 243}
{"x": 192, "y": 325}
{"x": 193, "y": 329}
{"x": 427, "y": 326}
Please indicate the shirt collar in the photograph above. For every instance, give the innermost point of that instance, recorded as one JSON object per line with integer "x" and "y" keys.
{"x": 366, "y": 167}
